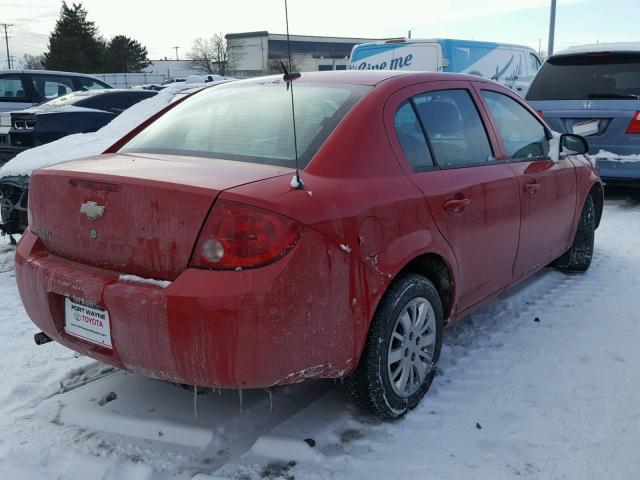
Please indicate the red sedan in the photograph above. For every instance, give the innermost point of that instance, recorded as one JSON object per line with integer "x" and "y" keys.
{"x": 187, "y": 253}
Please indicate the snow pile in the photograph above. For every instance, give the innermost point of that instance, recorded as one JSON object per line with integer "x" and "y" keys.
{"x": 145, "y": 281}
{"x": 94, "y": 143}
{"x": 604, "y": 155}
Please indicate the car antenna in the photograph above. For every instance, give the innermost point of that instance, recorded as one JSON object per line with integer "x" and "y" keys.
{"x": 289, "y": 77}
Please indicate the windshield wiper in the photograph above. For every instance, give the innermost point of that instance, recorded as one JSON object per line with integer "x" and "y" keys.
{"x": 614, "y": 95}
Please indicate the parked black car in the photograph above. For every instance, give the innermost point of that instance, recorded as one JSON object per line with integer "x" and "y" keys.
{"x": 77, "y": 112}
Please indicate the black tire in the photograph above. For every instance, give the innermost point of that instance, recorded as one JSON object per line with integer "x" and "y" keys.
{"x": 578, "y": 257}
{"x": 370, "y": 384}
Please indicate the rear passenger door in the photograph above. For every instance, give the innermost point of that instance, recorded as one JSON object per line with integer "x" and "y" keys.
{"x": 48, "y": 86}
{"x": 449, "y": 153}
{"x": 547, "y": 188}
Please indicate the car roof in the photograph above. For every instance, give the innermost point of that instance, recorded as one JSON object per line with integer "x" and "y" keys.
{"x": 367, "y": 77}
{"x": 626, "y": 47}
{"x": 408, "y": 41}
{"x": 48, "y": 72}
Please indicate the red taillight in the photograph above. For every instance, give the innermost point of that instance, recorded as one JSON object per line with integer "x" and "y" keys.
{"x": 240, "y": 236}
{"x": 634, "y": 126}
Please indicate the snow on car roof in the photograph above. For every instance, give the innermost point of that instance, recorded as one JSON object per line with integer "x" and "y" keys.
{"x": 602, "y": 47}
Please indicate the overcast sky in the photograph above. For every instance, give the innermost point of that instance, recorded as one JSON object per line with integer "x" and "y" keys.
{"x": 161, "y": 27}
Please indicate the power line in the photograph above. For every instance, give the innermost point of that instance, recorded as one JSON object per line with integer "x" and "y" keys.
{"x": 6, "y": 39}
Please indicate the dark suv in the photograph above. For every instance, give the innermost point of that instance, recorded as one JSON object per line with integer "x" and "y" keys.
{"x": 21, "y": 89}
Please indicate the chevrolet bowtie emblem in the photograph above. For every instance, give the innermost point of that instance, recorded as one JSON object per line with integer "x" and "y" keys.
{"x": 92, "y": 210}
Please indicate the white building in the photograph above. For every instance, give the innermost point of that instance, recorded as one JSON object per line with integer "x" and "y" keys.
{"x": 260, "y": 53}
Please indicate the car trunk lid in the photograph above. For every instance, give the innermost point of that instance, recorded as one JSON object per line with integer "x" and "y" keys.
{"x": 601, "y": 121}
{"x": 134, "y": 214}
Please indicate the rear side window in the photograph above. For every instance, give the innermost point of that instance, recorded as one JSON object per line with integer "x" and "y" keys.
{"x": 522, "y": 134}
{"x": 454, "y": 127}
{"x": 12, "y": 88}
{"x": 411, "y": 137}
{"x": 92, "y": 84}
{"x": 588, "y": 76}
{"x": 52, "y": 86}
{"x": 250, "y": 122}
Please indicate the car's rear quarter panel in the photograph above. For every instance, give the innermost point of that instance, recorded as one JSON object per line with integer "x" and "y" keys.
{"x": 359, "y": 199}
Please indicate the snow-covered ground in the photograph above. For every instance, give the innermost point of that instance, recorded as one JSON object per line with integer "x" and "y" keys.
{"x": 544, "y": 383}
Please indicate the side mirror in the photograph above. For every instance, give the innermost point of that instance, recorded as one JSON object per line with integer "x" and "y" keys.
{"x": 571, "y": 144}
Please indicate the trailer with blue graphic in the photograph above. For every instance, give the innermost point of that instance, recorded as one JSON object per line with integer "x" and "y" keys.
{"x": 511, "y": 65}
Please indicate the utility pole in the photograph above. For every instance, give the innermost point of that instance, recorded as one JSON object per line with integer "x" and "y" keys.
{"x": 540, "y": 47}
{"x": 552, "y": 28}
{"x": 177, "y": 58}
{"x": 6, "y": 39}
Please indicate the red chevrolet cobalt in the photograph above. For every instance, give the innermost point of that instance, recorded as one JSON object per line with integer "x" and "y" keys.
{"x": 190, "y": 252}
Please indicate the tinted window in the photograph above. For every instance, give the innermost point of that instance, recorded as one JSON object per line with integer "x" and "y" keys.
{"x": 250, "y": 122}
{"x": 52, "y": 86}
{"x": 522, "y": 134}
{"x": 136, "y": 97}
{"x": 411, "y": 137}
{"x": 12, "y": 88}
{"x": 587, "y": 76}
{"x": 454, "y": 128}
{"x": 111, "y": 102}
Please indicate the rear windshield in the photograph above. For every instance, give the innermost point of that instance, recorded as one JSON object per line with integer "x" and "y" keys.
{"x": 250, "y": 123}
{"x": 588, "y": 76}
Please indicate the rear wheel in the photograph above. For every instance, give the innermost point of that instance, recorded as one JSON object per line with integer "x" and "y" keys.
{"x": 578, "y": 257}
{"x": 402, "y": 350}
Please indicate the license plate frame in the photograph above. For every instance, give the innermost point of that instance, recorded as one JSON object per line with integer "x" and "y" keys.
{"x": 587, "y": 127}
{"x": 87, "y": 322}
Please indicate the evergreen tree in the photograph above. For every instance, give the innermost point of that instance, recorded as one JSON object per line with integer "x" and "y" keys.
{"x": 125, "y": 55}
{"x": 74, "y": 44}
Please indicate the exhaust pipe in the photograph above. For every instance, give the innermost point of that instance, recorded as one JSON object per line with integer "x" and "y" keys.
{"x": 41, "y": 338}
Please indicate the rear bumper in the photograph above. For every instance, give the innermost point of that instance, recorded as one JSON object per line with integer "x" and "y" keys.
{"x": 620, "y": 172}
{"x": 278, "y": 324}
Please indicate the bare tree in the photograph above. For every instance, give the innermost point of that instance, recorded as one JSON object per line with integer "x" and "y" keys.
{"x": 210, "y": 55}
{"x": 275, "y": 62}
{"x": 33, "y": 62}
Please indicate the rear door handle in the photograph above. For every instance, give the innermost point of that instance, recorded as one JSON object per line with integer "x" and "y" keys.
{"x": 456, "y": 205}
{"x": 532, "y": 188}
